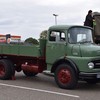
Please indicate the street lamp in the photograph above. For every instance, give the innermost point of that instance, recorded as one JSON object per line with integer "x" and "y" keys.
{"x": 55, "y": 15}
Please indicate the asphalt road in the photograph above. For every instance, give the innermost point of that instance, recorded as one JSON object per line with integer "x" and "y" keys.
{"x": 43, "y": 87}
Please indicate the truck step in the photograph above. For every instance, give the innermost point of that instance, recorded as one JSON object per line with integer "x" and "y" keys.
{"x": 46, "y": 72}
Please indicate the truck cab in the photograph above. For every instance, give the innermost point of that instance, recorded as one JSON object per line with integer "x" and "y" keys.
{"x": 72, "y": 53}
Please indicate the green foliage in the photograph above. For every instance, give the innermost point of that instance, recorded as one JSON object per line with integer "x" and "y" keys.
{"x": 31, "y": 41}
{"x": 43, "y": 34}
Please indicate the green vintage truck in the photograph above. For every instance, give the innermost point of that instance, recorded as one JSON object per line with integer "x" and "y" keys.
{"x": 68, "y": 52}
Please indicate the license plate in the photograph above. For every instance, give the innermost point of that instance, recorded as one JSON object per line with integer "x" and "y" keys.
{"x": 98, "y": 76}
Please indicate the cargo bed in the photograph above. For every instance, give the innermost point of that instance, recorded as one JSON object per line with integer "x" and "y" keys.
{"x": 20, "y": 50}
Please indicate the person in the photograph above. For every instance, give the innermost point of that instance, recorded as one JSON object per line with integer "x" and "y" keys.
{"x": 89, "y": 19}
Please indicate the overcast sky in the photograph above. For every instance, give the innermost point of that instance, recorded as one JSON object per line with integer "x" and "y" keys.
{"x": 28, "y": 18}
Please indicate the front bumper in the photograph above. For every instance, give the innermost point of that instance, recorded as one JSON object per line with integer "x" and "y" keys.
{"x": 84, "y": 75}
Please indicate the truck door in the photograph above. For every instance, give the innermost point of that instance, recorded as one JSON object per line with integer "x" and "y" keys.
{"x": 55, "y": 46}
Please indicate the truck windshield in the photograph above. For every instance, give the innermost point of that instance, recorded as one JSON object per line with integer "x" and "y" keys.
{"x": 80, "y": 35}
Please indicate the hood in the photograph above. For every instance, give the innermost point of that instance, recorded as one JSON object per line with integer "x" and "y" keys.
{"x": 90, "y": 50}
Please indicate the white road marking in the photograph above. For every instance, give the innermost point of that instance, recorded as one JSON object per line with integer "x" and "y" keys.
{"x": 39, "y": 90}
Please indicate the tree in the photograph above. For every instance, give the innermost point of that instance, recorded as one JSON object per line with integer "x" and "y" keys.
{"x": 43, "y": 34}
{"x": 31, "y": 41}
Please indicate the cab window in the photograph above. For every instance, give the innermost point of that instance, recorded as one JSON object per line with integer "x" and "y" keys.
{"x": 56, "y": 36}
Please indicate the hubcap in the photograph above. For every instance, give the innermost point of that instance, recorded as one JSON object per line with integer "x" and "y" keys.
{"x": 2, "y": 70}
{"x": 64, "y": 76}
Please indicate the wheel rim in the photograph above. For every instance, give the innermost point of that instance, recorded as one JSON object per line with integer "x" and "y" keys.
{"x": 2, "y": 70}
{"x": 64, "y": 76}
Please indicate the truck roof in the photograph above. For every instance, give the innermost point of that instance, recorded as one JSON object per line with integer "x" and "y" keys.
{"x": 62, "y": 27}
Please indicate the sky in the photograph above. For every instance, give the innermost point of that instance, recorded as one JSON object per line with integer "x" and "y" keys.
{"x": 28, "y": 18}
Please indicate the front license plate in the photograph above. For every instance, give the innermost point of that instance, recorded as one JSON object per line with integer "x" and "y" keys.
{"x": 98, "y": 76}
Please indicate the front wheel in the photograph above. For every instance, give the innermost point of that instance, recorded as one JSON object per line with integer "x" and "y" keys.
{"x": 66, "y": 77}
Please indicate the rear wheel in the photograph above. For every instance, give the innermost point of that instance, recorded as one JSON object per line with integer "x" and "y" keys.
{"x": 6, "y": 69}
{"x": 66, "y": 77}
{"x": 29, "y": 74}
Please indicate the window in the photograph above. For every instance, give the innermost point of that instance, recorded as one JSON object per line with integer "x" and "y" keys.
{"x": 80, "y": 35}
{"x": 56, "y": 36}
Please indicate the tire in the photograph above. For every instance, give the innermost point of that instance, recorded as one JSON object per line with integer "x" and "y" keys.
{"x": 6, "y": 69}
{"x": 66, "y": 77}
{"x": 29, "y": 74}
{"x": 12, "y": 68}
{"x": 92, "y": 81}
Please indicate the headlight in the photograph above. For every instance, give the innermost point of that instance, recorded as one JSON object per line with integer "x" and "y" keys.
{"x": 91, "y": 65}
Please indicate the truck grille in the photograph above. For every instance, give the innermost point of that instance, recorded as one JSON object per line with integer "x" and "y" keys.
{"x": 96, "y": 63}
